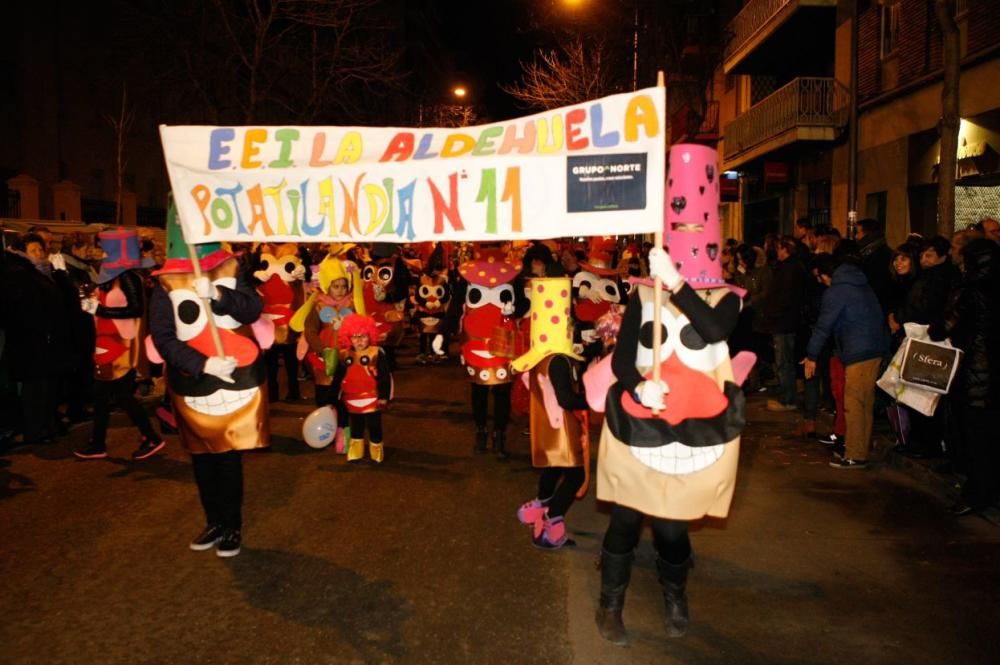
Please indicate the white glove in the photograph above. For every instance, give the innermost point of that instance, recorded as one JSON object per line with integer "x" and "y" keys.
{"x": 594, "y": 296}
{"x": 588, "y": 336}
{"x": 58, "y": 261}
{"x": 651, "y": 394}
{"x": 437, "y": 344}
{"x": 662, "y": 266}
{"x": 507, "y": 308}
{"x": 89, "y": 305}
{"x": 221, "y": 368}
{"x": 204, "y": 288}
{"x": 299, "y": 273}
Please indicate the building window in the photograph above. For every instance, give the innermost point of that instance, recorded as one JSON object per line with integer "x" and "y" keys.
{"x": 875, "y": 206}
{"x": 890, "y": 27}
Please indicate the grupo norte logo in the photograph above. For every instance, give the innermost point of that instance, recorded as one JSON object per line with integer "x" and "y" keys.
{"x": 606, "y": 182}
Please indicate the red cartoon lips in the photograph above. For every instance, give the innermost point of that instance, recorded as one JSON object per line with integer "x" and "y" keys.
{"x": 108, "y": 349}
{"x": 692, "y": 395}
{"x": 591, "y": 311}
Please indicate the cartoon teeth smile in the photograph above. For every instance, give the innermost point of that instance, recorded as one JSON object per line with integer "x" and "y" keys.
{"x": 222, "y": 402}
{"x": 677, "y": 459}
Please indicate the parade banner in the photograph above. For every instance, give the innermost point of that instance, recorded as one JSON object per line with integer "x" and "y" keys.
{"x": 592, "y": 169}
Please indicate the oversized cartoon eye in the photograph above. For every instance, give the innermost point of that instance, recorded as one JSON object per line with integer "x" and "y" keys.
{"x": 224, "y": 320}
{"x": 501, "y": 373}
{"x": 646, "y": 334}
{"x": 439, "y": 292}
{"x": 425, "y": 291}
{"x": 584, "y": 279}
{"x": 484, "y": 375}
{"x": 368, "y": 273}
{"x": 691, "y": 339}
{"x": 644, "y": 352}
{"x": 474, "y": 296}
{"x": 505, "y": 295}
{"x": 385, "y": 274}
{"x": 470, "y": 370}
{"x": 290, "y": 267}
{"x": 189, "y": 315}
{"x": 609, "y": 290}
{"x": 264, "y": 265}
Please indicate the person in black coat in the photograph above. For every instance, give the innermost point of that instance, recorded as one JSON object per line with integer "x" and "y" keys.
{"x": 972, "y": 322}
{"x": 783, "y": 314}
{"x": 36, "y": 329}
{"x": 875, "y": 256}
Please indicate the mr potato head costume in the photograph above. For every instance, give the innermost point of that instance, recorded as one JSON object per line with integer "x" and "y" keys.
{"x": 220, "y": 402}
{"x": 669, "y": 450}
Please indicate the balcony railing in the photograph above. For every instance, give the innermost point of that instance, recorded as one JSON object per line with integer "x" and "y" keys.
{"x": 752, "y": 18}
{"x": 757, "y": 14}
{"x": 803, "y": 102}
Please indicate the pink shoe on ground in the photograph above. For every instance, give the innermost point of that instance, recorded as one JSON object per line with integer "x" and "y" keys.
{"x": 532, "y": 512}
{"x": 550, "y": 534}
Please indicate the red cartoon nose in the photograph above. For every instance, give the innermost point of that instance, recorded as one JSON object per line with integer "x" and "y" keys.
{"x": 237, "y": 346}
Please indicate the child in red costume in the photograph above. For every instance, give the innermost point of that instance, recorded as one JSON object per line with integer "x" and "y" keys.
{"x": 365, "y": 384}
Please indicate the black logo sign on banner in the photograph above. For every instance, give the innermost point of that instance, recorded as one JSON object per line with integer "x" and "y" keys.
{"x": 606, "y": 182}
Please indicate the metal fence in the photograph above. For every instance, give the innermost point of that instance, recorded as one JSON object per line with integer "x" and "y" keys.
{"x": 803, "y": 102}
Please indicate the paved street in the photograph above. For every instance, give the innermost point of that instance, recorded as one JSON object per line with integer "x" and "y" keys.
{"x": 422, "y": 561}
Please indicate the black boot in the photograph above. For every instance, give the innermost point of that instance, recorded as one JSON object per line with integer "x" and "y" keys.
{"x": 673, "y": 580}
{"x": 616, "y": 569}
{"x": 482, "y": 437}
{"x": 500, "y": 445}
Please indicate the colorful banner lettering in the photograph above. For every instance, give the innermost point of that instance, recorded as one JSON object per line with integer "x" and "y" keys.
{"x": 592, "y": 169}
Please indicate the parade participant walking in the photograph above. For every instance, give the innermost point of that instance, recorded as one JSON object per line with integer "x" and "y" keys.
{"x": 366, "y": 385}
{"x": 669, "y": 448}
{"x": 281, "y": 274}
{"x": 219, "y": 399}
{"x": 319, "y": 319}
{"x": 557, "y": 412}
{"x": 492, "y": 301}
{"x": 118, "y": 306}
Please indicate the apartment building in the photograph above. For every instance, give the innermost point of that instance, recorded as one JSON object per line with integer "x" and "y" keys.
{"x": 899, "y": 101}
{"x": 785, "y": 95}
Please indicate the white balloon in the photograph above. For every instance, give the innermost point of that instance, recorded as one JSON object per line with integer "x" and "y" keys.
{"x": 320, "y": 427}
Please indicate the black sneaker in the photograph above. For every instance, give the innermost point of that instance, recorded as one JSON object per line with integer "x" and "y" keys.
{"x": 229, "y": 543}
{"x": 829, "y": 439}
{"x": 92, "y": 451}
{"x": 847, "y": 463}
{"x": 148, "y": 447}
{"x": 207, "y": 539}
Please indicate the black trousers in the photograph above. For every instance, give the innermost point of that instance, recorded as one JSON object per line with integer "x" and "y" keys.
{"x": 219, "y": 477}
{"x": 501, "y": 405}
{"x": 122, "y": 393}
{"x": 38, "y": 407}
{"x": 561, "y": 495}
{"x": 287, "y": 353}
{"x": 670, "y": 537}
{"x": 372, "y": 421}
{"x": 981, "y": 429}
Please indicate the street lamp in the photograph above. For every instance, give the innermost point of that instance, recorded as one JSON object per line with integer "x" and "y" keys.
{"x": 459, "y": 91}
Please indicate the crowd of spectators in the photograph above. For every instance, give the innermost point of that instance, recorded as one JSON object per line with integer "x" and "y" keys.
{"x": 825, "y": 314}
